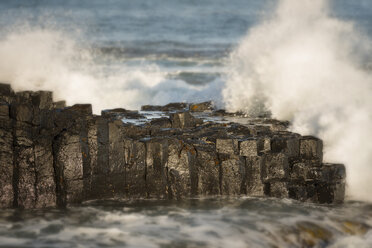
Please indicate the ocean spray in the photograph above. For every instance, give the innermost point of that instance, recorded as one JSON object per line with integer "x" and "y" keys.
{"x": 308, "y": 67}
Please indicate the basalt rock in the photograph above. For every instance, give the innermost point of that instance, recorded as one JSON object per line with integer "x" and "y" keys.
{"x": 201, "y": 107}
{"x": 53, "y": 155}
{"x": 33, "y": 172}
{"x": 120, "y": 113}
{"x": 176, "y": 106}
{"x": 6, "y": 153}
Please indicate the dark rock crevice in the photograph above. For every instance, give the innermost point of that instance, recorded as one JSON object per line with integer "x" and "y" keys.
{"x": 58, "y": 172}
{"x": 15, "y": 176}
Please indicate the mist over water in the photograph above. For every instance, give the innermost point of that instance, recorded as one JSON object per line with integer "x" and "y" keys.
{"x": 47, "y": 59}
{"x": 121, "y": 53}
{"x": 315, "y": 70}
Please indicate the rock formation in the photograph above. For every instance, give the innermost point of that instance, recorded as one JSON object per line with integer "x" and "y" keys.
{"x": 52, "y": 155}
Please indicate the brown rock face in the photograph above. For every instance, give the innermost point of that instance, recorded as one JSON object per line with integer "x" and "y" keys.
{"x": 6, "y": 147}
{"x": 33, "y": 172}
{"x": 52, "y": 155}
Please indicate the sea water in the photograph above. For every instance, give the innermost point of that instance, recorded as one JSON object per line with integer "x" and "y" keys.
{"x": 214, "y": 222}
{"x": 128, "y": 53}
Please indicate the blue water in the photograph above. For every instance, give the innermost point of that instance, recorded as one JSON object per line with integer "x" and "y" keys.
{"x": 189, "y": 37}
{"x": 208, "y": 25}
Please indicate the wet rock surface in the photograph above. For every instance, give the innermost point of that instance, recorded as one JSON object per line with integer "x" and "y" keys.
{"x": 52, "y": 155}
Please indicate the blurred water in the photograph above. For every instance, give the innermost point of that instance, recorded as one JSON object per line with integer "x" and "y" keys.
{"x": 219, "y": 222}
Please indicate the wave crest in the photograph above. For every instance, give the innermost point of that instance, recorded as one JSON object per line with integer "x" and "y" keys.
{"x": 308, "y": 67}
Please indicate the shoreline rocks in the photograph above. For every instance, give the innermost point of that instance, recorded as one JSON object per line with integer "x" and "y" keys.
{"x": 53, "y": 156}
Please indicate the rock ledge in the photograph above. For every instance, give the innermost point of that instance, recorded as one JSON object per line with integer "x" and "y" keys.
{"x": 52, "y": 155}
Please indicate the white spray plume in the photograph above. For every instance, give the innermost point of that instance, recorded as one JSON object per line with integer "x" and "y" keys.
{"x": 311, "y": 68}
{"x": 34, "y": 58}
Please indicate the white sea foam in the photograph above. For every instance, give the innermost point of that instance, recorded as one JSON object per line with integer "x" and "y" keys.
{"x": 35, "y": 58}
{"x": 311, "y": 68}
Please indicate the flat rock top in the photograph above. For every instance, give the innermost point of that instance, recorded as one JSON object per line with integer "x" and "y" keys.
{"x": 204, "y": 110}
{"x": 197, "y": 119}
